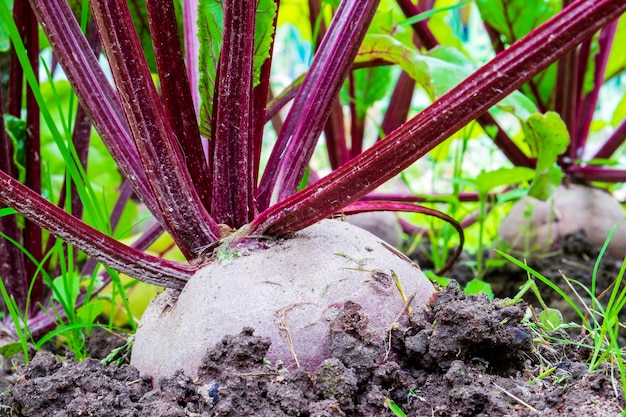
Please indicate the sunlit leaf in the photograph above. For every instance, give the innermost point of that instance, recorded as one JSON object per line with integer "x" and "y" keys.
{"x": 488, "y": 181}
{"x": 387, "y": 48}
{"x": 477, "y": 286}
{"x": 370, "y": 85}
{"x": 264, "y": 29}
{"x": 551, "y": 319}
{"x": 515, "y": 18}
{"x": 210, "y": 26}
{"x": 89, "y": 312}
{"x": 620, "y": 112}
{"x": 617, "y": 58}
{"x": 547, "y": 137}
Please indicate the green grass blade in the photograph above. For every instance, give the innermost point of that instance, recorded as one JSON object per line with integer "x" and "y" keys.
{"x": 18, "y": 320}
{"x": 545, "y": 281}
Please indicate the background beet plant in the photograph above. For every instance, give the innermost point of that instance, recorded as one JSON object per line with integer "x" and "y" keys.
{"x": 191, "y": 149}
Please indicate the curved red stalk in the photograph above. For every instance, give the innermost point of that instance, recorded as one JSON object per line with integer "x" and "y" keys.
{"x": 365, "y": 206}
{"x": 91, "y": 241}
{"x": 474, "y": 96}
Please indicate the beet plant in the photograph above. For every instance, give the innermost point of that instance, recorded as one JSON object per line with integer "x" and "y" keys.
{"x": 572, "y": 146}
{"x": 258, "y": 248}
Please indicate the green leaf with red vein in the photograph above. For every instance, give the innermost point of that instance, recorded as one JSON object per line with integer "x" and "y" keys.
{"x": 437, "y": 72}
{"x": 263, "y": 33}
{"x": 515, "y": 18}
{"x": 385, "y": 47}
{"x": 548, "y": 138}
{"x": 210, "y": 27}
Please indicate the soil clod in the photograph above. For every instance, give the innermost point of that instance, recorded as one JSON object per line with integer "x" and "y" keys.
{"x": 465, "y": 356}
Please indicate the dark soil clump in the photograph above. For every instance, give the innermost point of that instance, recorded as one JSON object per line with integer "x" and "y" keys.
{"x": 465, "y": 356}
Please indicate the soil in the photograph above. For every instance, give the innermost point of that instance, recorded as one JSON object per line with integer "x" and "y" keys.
{"x": 464, "y": 356}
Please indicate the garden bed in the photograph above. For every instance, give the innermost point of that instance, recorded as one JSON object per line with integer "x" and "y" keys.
{"x": 466, "y": 356}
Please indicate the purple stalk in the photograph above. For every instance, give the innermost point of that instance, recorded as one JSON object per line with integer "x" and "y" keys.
{"x": 16, "y": 73}
{"x": 399, "y": 104}
{"x": 94, "y": 91}
{"x": 312, "y": 104}
{"x": 192, "y": 49}
{"x": 614, "y": 141}
{"x": 32, "y": 239}
{"x": 260, "y": 95}
{"x": 590, "y": 101}
{"x": 43, "y": 322}
{"x": 471, "y": 98}
{"x": 179, "y": 205}
{"x": 334, "y": 129}
{"x": 593, "y": 173}
{"x": 335, "y": 135}
{"x": 233, "y": 186}
{"x": 176, "y": 93}
{"x": 12, "y": 269}
{"x": 584, "y": 51}
{"x": 93, "y": 242}
{"x": 566, "y": 95}
{"x": 357, "y": 125}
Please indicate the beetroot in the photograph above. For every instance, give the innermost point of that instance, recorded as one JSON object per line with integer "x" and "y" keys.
{"x": 534, "y": 226}
{"x": 288, "y": 290}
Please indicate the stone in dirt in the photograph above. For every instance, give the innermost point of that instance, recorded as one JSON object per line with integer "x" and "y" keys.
{"x": 466, "y": 356}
